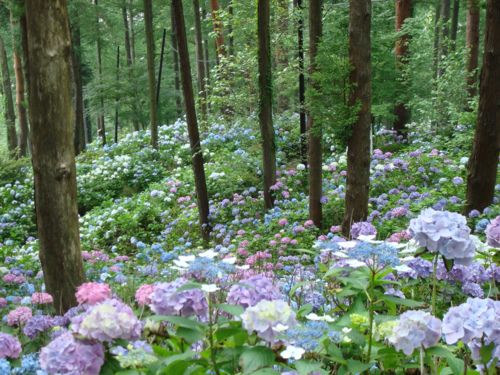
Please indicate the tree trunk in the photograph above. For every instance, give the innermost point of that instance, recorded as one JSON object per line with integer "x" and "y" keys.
{"x": 484, "y": 159}
{"x": 358, "y": 152}
{"x": 266, "y": 100}
{"x": 128, "y": 51}
{"x": 445, "y": 33}
{"x": 79, "y": 140}
{"x": 314, "y": 128}
{"x": 148, "y": 23}
{"x": 194, "y": 136}
{"x": 175, "y": 55}
{"x": 218, "y": 29}
{"x": 403, "y": 12}
{"x": 20, "y": 100}
{"x": 302, "y": 84}
{"x": 9, "y": 112}
{"x": 200, "y": 66}
{"x": 282, "y": 50}
{"x": 51, "y": 111}
{"x": 101, "y": 126}
{"x": 437, "y": 17}
{"x": 454, "y": 23}
{"x": 230, "y": 11}
{"x": 472, "y": 44}
{"x": 206, "y": 50}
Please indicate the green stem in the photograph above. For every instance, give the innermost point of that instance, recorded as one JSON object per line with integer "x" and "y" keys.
{"x": 434, "y": 285}
{"x": 422, "y": 365}
{"x": 213, "y": 354}
{"x": 370, "y": 316}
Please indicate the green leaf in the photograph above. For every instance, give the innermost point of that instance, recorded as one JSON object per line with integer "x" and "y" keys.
{"x": 176, "y": 367}
{"x": 224, "y": 333}
{"x": 306, "y": 367}
{"x": 304, "y": 310}
{"x": 357, "y": 367}
{"x": 178, "y": 321}
{"x": 486, "y": 352}
{"x": 191, "y": 335}
{"x": 335, "y": 353}
{"x": 456, "y": 364}
{"x": 234, "y": 310}
{"x": 401, "y": 301}
{"x": 265, "y": 371}
{"x": 255, "y": 358}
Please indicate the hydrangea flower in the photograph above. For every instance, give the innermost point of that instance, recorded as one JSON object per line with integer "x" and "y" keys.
{"x": 167, "y": 300}
{"x": 375, "y": 256}
{"x": 92, "y": 293}
{"x": 444, "y": 232}
{"x": 415, "y": 329}
{"x": 308, "y": 335}
{"x": 41, "y": 298}
{"x": 143, "y": 294}
{"x": 251, "y": 291}
{"x": 363, "y": 228}
{"x": 268, "y": 319}
{"x": 10, "y": 347}
{"x": 30, "y": 365}
{"x": 67, "y": 355}
{"x": 38, "y": 324}
{"x": 19, "y": 316}
{"x": 107, "y": 321}
{"x": 493, "y": 232}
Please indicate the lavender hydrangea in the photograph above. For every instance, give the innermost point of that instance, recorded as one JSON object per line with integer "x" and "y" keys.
{"x": 251, "y": 291}
{"x": 415, "y": 329}
{"x": 67, "y": 355}
{"x": 268, "y": 319}
{"x": 107, "y": 321}
{"x": 444, "y": 232}
{"x": 38, "y": 324}
{"x": 422, "y": 267}
{"x": 167, "y": 300}
{"x": 493, "y": 232}
{"x": 363, "y": 228}
{"x": 10, "y": 347}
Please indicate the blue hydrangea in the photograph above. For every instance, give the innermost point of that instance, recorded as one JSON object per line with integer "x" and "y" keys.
{"x": 30, "y": 365}
{"x": 375, "y": 256}
{"x": 308, "y": 336}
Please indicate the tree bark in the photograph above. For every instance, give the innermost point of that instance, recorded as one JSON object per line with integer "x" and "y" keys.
{"x": 314, "y": 128}
{"x": 148, "y": 23}
{"x": 230, "y": 11}
{"x": 101, "y": 125}
{"x": 51, "y": 110}
{"x": 282, "y": 50}
{"x": 175, "y": 55}
{"x": 9, "y": 112}
{"x": 200, "y": 66}
{"x": 403, "y": 12}
{"x": 445, "y": 33}
{"x": 218, "y": 29}
{"x": 206, "y": 49}
{"x": 483, "y": 162}
{"x": 472, "y": 44}
{"x": 192, "y": 123}
{"x": 437, "y": 36}
{"x": 302, "y": 84}
{"x": 79, "y": 140}
{"x": 358, "y": 152}
{"x": 266, "y": 99}
{"x": 454, "y": 23}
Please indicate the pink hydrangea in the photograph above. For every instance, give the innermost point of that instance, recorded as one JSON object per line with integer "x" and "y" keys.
{"x": 41, "y": 298}
{"x": 3, "y": 302}
{"x": 10, "y": 347}
{"x": 308, "y": 223}
{"x": 19, "y": 316}
{"x": 92, "y": 293}
{"x": 143, "y": 294}
{"x": 13, "y": 279}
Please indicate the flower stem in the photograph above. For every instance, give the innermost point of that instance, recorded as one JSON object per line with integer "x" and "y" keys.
{"x": 213, "y": 354}
{"x": 434, "y": 285}
{"x": 371, "y": 295}
{"x": 422, "y": 365}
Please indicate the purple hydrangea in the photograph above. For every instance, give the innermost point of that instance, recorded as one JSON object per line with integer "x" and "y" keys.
{"x": 38, "y": 324}
{"x": 67, "y": 355}
{"x": 473, "y": 290}
{"x": 444, "y": 232}
{"x": 251, "y": 291}
{"x": 167, "y": 300}
{"x": 107, "y": 321}
{"x": 493, "y": 232}
{"x": 363, "y": 228}
{"x": 10, "y": 347}
{"x": 422, "y": 267}
{"x": 414, "y": 330}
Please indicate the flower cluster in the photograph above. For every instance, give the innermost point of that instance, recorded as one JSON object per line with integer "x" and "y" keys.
{"x": 363, "y": 228}
{"x": 38, "y": 324}
{"x": 92, "y": 293}
{"x": 19, "y": 316}
{"x": 143, "y": 294}
{"x": 268, "y": 319}
{"x": 10, "y": 347}
{"x": 444, "y": 232}
{"x": 167, "y": 300}
{"x": 41, "y": 298}
{"x": 415, "y": 329}
{"x": 493, "y": 232}
{"x": 308, "y": 335}
{"x": 375, "y": 256}
{"x": 67, "y": 355}
{"x": 251, "y": 291}
{"x": 107, "y": 321}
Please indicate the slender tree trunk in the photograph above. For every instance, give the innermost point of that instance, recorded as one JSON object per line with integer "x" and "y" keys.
{"x": 266, "y": 100}
{"x": 445, "y": 33}
{"x": 175, "y": 55}
{"x": 117, "y": 99}
{"x": 313, "y": 126}
{"x": 454, "y": 23}
{"x": 132, "y": 32}
{"x": 51, "y": 110}
{"x": 302, "y": 84}
{"x": 403, "y": 12}
{"x": 79, "y": 140}
{"x": 437, "y": 17}
{"x": 218, "y": 29}
{"x": 484, "y": 159}
{"x": 230, "y": 11}
{"x": 88, "y": 122}
{"x": 148, "y": 22}
{"x": 200, "y": 66}
{"x": 472, "y": 44}
{"x": 128, "y": 51}
{"x": 101, "y": 126}
{"x": 206, "y": 50}
{"x": 194, "y": 136}
{"x": 282, "y": 50}
{"x": 20, "y": 99}
{"x": 358, "y": 152}
{"x": 9, "y": 112}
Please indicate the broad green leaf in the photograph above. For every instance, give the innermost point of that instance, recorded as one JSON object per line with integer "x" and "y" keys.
{"x": 255, "y": 358}
{"x": 234, "y": 310}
